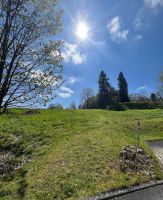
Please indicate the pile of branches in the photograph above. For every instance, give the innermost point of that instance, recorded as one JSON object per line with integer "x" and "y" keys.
{"x": 134, "y": 159}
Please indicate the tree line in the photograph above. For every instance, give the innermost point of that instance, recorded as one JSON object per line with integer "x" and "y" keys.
{"x": 107, "y": 95}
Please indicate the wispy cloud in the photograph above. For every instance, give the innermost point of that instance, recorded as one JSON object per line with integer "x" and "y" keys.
{"x": 153, "y": 3}
{"x": 65, "y": 92}
{"x": 73, "y": 79}
{"x": 138, "y": 37}
{"x": 141, "y": 88}
{"x": 114, "y": 28}
{"x": 99, "y": 43}
{"x": 72, "y": 53}
{"x": 138, "y": 23}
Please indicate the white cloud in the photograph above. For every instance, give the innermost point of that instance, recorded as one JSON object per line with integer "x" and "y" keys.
{"x": 66, "y": 89}
{"x": 71, "y": 53}
{"x": 153, "y": 3}
{"x": 65, "y": 92}
{"x": 138, "y": 37}
{"x": 73, "y": 79}
{"x": 64, "y": 95}
{"x": 114, "y": 28}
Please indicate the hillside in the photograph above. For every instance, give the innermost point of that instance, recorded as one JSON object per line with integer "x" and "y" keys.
{"x": 73, "y": 153}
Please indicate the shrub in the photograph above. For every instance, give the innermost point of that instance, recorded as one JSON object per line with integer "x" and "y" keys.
{"x": 22, "y": 188}
{"x": 118, "y": 107}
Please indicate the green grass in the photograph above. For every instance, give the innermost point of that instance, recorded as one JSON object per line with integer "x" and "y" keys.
{"x": 74, "y": 153}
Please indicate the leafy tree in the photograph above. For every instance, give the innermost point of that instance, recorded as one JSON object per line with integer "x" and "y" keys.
{"x": 104, "y": 96}
{"x": 123, "y": 88}
{"x": 30, "y": 67}
{"x": 86, "y": 96}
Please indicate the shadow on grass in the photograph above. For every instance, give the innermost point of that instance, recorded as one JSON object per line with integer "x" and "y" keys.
{"x": 22, "y": 183}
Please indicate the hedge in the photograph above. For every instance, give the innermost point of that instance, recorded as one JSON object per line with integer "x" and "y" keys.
{"x": 144, "y": 105}
{"x": 117, "y": 107}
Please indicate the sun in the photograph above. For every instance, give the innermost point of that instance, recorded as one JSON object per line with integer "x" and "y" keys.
{"x": 82, "y": 30}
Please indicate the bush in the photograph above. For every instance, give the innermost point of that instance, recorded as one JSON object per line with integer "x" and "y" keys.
{"x": 144, "y": 105}
{"x": 118, "y": 107}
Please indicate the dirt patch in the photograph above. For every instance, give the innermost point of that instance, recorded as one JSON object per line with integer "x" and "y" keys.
{"x": 32, "y": 112}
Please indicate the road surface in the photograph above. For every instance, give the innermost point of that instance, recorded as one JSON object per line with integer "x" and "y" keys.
{"x": 153, "y": 193}
{"x": 157, "y": 147}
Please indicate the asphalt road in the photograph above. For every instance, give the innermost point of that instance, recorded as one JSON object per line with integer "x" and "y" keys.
{"x": 153, "y": 193}
{"x": 157, "y": 147}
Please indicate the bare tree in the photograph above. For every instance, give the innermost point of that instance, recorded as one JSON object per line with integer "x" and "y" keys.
{"x": 30, "y": 67}
{"x": 139, "y": 98}
{"x": 86, "y": 95}
{"x": 73, "y": 106}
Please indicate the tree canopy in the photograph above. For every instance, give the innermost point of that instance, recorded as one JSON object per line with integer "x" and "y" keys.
{"x": 123, "y": 88}
{"x": 104, "y": 97}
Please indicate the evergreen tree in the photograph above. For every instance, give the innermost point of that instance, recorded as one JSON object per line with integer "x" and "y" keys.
{"x": 123, "y": 88}
{"x": 104, "y": 96}
{"x": 153, "y": 97}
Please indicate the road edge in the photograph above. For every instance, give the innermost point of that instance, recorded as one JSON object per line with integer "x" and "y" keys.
{"x": 118, "y": 193}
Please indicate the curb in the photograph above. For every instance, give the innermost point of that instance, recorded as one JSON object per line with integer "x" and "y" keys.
{"x": 118, "y": 193}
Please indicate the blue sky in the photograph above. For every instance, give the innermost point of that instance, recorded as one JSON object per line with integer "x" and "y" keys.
{"x": 123, "y": 36}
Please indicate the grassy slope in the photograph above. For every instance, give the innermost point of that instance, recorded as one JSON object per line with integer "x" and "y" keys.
{"x": 80, "y": 150}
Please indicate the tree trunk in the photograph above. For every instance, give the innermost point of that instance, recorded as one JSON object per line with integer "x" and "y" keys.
{"x": 4, "y": 109}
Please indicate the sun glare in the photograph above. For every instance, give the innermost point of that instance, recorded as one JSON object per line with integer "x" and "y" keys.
{"x": 82, "y": 31}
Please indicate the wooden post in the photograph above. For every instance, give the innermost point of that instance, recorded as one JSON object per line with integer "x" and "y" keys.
{"x": 138, "y": 134}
